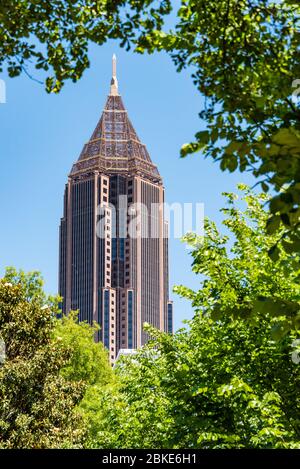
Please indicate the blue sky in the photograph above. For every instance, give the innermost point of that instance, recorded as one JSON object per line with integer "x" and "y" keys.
{"x": 41, "y": 136}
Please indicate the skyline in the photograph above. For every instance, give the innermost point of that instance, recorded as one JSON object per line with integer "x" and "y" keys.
{"x": 171, "y": 120}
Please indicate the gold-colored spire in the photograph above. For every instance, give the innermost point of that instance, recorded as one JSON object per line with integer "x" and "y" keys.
{"x": 114, "y": 80}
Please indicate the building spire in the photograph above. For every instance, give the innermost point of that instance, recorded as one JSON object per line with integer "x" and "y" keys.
{"x": 114, "y": 80}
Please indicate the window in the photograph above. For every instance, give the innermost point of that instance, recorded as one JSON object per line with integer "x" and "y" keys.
{"x": 170, "y": 318}
{"x": 104, "y": 190}
{"x": 105, "y": 182}
{"x": 130, "y": 314}
{"x": 106, "y": 318}
{"x": 122, "y": 248}
{"x": 114, "y": 248}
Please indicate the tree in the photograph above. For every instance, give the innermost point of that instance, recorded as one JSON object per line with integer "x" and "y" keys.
{"x": 89, "y": 360}
{"x": 89, "y": 363}
{"x": 244, "y": 280}
{"x": 98, "y": 407}
{"x": 54, "y": 36}
{"x": 245, "y": 61}
{"x": 37, "y": 404}
{"x": 245, "y": 58}
{"x": 223, "y": 381}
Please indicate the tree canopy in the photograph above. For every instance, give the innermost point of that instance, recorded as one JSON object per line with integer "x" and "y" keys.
{"x": 36, "y": 403}
{"x": 54, "y": 36}
{"x": 46, "y": 367}
{"x": 220, "y": 382}
{"x": 243, "y": 56}
{"x": 241, "y": 280}
{"x": 229, "y": 379}
{"x": 89, "y": 359}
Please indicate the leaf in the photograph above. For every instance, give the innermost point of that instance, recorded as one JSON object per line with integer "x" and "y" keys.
{"x": 291, "y": 247}
{"x": 274, "y": 253}
{"x": 228, "y": 162}
{"x": 189, "y": 148}
{"x": 278, "y": 205}
{"x": 276, "y": 306}
{"x": 287, "y": 137}
{"x": 233, "y": 147}
{"x": 203, "y": 136}
{"x": 285, "y": 219}
{"x": 265, "y": 187}
{"x": 273, "y": 224}
{"x": 278, "y": 331}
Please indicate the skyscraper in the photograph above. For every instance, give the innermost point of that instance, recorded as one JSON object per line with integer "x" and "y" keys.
{"x": 113, "y": 263}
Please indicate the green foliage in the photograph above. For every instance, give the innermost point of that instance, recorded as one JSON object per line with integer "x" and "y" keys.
{"x": 217, "y": 385}
{"x": 245, "y": 61}
{"x": 244, "y": 280}
{"x": 227, "y": 380}
{"x": 89, "y": 361}
{"x": 54, "y": 36}
{"x": 37, "y": 404}
{"x": 100, "y": 402}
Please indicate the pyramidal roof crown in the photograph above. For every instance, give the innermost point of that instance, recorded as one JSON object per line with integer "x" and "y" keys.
{"x": 114, "y": 146}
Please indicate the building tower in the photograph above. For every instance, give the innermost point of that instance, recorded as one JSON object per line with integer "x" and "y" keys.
{"x": 113, "y": 263}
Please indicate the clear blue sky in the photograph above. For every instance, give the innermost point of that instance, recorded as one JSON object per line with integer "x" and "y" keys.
{"x": 42, "y": 135}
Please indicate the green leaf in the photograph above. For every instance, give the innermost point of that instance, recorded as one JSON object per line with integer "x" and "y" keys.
{"x": 287, "y": 137}
{"x": 273, "y": 224}
{"x": 274, "y": 253}
{"x": 203, "y": 137}
{"x": 189, "y": 148}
